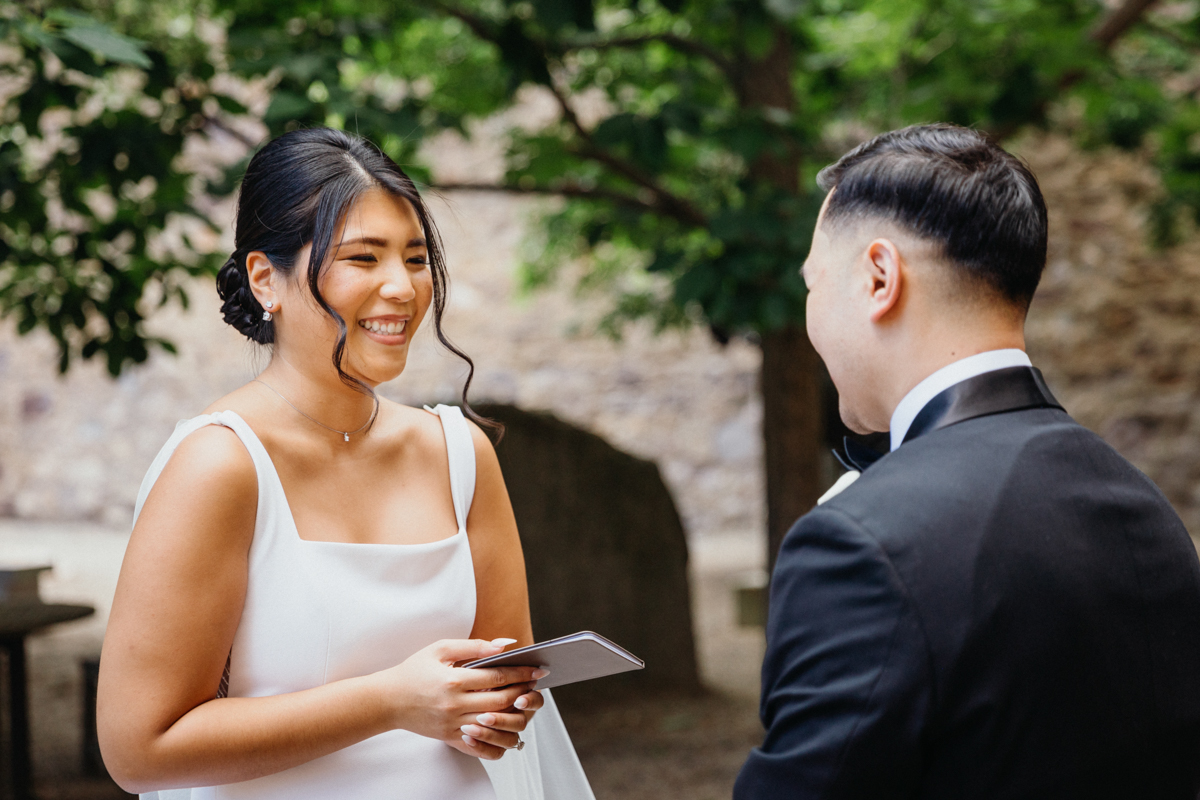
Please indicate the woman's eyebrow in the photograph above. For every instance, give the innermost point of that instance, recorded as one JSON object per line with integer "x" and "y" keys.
{"x": 418, "y": 242}
{"x": 367, "y": 240}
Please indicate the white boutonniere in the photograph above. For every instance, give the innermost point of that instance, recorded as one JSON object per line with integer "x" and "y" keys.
{"x": 840, "y": 486}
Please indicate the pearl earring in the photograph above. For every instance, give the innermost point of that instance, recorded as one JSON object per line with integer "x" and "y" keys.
{"x": 267, "y": 313}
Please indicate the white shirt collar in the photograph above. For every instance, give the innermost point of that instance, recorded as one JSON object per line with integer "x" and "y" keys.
{"x": 943, "y": 379}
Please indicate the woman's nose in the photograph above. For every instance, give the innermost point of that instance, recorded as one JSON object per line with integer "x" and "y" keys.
{"x": 398, "y": 285}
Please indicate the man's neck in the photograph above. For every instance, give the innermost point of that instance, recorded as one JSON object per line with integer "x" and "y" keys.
{"x": 954, "y": 372}
{"x": 926, "y": 350}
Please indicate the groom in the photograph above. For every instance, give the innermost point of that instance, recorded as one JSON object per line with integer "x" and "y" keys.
{"x": 1002, "y": 606}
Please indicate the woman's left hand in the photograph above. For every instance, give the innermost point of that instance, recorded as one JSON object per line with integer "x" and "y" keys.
{"x": 496, "y": 732}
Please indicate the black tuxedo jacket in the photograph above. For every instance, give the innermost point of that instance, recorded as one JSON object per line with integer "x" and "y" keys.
{"x": 1003, "y": 607}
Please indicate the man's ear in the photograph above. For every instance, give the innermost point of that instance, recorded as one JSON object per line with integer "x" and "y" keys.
{"x": 886, "y": 279}
{"x": 262, "y": 279}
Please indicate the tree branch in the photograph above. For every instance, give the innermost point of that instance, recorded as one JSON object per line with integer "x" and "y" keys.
{"x": 220, "y": 125}
{"x": 478, "y": 26}
{"x": 569, "y": 113}
{"x": 566, "y": 190}
{"x": 1106, "y": 34}
{"x": 680, "y": 43}
{"x": 1115, "y": 25}
{"x": 668, "y": 202}
{"x": 1174, "y": 36}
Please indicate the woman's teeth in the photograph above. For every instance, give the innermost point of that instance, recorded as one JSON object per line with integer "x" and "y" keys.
{"x": 389, "y": 328}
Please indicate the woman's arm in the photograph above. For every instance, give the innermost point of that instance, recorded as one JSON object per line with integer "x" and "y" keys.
{"x": 502, "y": 607}
{"x": 176, "y": 609}
{"x": 502, "y": 595}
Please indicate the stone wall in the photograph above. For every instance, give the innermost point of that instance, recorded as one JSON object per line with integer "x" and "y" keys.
{"x": 76, "y": 447}
{"x": 1114, "y": 327}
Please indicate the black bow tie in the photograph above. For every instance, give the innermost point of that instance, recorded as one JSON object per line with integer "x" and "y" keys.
{"x": 857, "y": 456}
{"x": 996, "y": 392}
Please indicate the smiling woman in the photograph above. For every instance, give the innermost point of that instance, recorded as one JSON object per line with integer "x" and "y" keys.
{"x": 308, "y": 563}
{"x": 307, "y": 182}
{"x": 376, "y": 283}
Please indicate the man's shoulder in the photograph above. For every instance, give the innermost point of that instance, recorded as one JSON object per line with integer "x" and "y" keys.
{"x": 1027, "y": 511}
{"x": 955, "y": 480}
{"x": 958, "y": 461}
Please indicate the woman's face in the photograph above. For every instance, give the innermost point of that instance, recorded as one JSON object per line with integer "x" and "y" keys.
{"x": 377, "y": 277}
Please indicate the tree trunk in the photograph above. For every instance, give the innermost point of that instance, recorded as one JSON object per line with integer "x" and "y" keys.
{"x": 791, "y": 371}
{"x": 766, "y": 84}
{"x": 792, "y": 423}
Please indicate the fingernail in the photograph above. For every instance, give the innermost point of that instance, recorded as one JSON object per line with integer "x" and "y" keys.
{"x": 468, "y": 740}
{"x": 486, "y": 720}
{"x": 538, "y": 674}
{"x": 503, "y": 642}
{"x": 521, "y": 702}
{"x": 471, "y": 730}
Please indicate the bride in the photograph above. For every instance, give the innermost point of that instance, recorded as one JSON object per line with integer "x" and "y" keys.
{"x": 309, "y": 563}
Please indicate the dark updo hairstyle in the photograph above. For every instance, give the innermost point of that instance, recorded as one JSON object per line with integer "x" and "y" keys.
{"x": 296, "y": 190}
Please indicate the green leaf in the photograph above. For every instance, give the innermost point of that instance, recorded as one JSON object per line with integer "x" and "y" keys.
{"x": 286, "y": 106}
{"x": 38, "y": 36}
{"x": 100, "y": 40}
{"x": 557, "y": 14}
{"x": 230, "y": 105}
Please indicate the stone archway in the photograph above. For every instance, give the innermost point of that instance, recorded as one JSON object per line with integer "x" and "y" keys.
{"x": 604, "y": 546}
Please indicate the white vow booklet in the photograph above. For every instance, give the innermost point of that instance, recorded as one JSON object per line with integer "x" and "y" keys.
{"x": 570, "y": 659}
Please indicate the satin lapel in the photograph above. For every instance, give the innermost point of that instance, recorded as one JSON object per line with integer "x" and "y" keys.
{"x": 996, "y": 392}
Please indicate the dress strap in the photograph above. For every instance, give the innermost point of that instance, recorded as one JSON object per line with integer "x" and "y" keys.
{"x": 229, "y": 419}
{"x": 460, "y": 451}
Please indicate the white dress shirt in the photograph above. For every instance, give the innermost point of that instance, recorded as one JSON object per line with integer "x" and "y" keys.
{"x": 943, "y": 379}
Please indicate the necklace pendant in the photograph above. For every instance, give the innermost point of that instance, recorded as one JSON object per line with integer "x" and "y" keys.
{"x": 345, "y": 437}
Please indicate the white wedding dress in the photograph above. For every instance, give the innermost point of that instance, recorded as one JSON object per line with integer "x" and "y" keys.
{"x": 318, "y": 611}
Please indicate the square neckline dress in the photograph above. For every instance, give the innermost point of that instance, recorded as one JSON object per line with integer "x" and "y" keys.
{"x": 318, "y": 611}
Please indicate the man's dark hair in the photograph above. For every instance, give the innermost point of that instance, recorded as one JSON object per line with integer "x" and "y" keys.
{"x": 956, "y": 187}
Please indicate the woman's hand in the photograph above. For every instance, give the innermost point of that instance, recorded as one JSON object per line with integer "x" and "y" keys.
{"x": 434, "y": 698}
{"x": 492, "y": 733}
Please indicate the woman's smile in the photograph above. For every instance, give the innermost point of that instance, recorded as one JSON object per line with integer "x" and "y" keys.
{"x": 389, "y": 330}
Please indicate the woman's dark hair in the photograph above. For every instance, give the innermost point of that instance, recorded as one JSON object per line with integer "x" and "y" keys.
{"x": 956, "y": 187}
{"x": 296, "y": 190}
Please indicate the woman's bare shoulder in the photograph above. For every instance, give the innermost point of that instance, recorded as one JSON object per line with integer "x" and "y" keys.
{"x": 485, "y": 452}
{"x": 210, "y": 474}
{"x": 407, "y": 425}
{"x": 214, "y": 454}
{"x": 244, "y": 401}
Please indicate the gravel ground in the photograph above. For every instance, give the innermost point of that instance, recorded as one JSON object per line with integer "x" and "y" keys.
{"x": 666, "y": 747}
{"x": 652, "y": 748}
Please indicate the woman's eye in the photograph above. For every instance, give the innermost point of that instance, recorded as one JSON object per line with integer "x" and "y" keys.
{"x": 364, "y": 257}
{"x": 419, "y": 260}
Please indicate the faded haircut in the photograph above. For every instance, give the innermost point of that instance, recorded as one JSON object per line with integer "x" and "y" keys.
{"x": 956, "y": 188}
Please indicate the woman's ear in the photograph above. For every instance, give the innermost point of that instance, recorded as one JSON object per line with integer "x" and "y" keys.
{"x": 262, "y": 279}
{"x": 885, "y": 276}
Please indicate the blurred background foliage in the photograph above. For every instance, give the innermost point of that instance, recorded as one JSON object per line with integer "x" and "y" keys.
{"x": 665, "y": 180}
{"x": 684, "y": 150}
